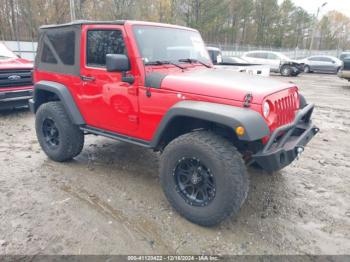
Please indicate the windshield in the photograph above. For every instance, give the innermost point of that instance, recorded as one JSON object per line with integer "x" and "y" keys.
{"x": 284, "y": 57}
{"x": 169, "y": 44}
{"x": 5, "y": 53}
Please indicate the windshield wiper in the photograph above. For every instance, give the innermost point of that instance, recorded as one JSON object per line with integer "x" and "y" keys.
{"x": 191, "y": 60}
{"x": 164, "y": 62}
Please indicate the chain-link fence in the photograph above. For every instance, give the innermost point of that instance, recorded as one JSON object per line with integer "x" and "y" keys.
{"x": 296, "y": 53}
{"x": 28, "y": 50}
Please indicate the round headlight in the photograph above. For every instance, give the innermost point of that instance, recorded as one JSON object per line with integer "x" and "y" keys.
{"x": 266, "y": 109}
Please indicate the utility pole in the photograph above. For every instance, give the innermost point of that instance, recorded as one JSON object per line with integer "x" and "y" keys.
{"x": 315, "y": 26}
{"x": 72, "y": 9}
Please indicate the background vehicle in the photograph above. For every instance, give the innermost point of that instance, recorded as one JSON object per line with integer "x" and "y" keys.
{"x": 321, "y": 64}
{"x": 278, "y": 62}
{"x": 134, "y": 81}
{"x": 344, "y": 55}
{"x": 234, "y": 59}
{"x": 16, "y": 85}
{"x": 236, "y": 64}
{"x": 344, "y": 71}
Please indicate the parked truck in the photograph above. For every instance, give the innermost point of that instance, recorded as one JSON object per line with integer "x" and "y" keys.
{"x": 16, "y": 85}
{"x": 154, "y": 85}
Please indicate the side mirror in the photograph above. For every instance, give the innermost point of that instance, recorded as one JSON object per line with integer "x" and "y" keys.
{"x": 117, "y": 63}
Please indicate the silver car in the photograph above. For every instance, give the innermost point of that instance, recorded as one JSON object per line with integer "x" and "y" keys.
{"x": 322, "y": 64}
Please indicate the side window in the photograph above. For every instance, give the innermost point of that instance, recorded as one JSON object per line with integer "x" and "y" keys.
{"x": 103, "y": 42}
{"x": 315, "y": 59}
{"x": 252, "y": 55}
{"x": 47, "y": 55}
{"x": 262, "y": 55}
{"x": 272, "y": 56}
{"x": 326, "y": 59}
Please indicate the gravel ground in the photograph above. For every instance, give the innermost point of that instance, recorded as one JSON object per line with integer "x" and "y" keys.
{"x": 109, "y": 201}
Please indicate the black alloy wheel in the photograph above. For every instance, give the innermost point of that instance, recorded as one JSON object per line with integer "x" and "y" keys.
{"x": 194, "y": 182}
{"x": 51, "y": 133}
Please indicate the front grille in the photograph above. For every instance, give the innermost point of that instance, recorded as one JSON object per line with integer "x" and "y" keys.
{"x": 15, "y": 77}
{"x": 285, "y": 108}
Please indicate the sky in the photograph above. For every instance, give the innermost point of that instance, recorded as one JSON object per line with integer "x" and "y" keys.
{"x": 312, "y": 5}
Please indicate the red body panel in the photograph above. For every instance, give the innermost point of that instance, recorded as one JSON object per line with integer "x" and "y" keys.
{"x": 110, "y": 104}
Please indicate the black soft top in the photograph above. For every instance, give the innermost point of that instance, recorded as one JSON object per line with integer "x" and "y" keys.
{"x": 84, "y": 22}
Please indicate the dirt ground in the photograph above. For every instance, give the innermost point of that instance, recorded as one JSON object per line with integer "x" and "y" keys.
{"x": 109, "y": 200}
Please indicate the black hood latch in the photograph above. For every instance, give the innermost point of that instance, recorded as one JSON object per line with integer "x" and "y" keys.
{"x": 247, "y": 99}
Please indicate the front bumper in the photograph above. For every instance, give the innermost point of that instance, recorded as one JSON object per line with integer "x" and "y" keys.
{"x": 13, "y": 99}
{"x": 287, "y": 142}
{"x": 298, "y": 68}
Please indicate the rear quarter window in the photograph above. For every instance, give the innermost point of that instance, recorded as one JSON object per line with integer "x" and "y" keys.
{"x": 63, "y": 43}
{"x": 47, "y": 55}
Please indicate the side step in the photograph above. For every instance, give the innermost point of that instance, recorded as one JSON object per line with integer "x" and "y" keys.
{"x": 116, "y": 136}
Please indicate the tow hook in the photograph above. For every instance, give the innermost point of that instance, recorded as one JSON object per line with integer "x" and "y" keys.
{"x": 299, "y": 150}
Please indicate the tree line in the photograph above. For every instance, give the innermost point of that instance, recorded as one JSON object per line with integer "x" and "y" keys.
{"x": 244, "y": 22}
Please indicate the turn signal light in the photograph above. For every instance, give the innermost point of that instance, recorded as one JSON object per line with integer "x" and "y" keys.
{"x": 240, "y": 131}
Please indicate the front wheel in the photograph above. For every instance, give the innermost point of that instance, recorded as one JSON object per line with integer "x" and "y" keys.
{"x": 307, "y": 69}
{"x": 60, "y": 139}
{"x": 203, "y": 177}
{"x": 286, "y": 70}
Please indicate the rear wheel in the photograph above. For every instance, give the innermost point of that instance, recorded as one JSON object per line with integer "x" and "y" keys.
{"x": 203, "y": 177}
{"x": 60, "y": 139}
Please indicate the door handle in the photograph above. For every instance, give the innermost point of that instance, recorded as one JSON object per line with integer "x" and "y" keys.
{"x": 87, "y": 78}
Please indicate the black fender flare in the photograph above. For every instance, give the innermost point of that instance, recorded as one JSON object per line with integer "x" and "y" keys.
{"x": 62, "y": 92}
{"x": 230, "y": 116}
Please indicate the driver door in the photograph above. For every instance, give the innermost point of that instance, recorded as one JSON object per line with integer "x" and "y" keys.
{"x": 109, "y": 103}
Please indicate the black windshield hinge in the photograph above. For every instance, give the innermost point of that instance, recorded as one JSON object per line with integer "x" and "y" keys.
{"x": 247, "y": 99}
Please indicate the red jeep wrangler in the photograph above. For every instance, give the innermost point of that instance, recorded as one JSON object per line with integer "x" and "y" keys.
{"x": 16, "y": 86}
{"x": 153, "y": 85}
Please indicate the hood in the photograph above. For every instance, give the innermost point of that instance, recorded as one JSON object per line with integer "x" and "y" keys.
{"x": 296, "y": 61}
{"x": 15, "y": 63}
{"x": 223, "y": 83}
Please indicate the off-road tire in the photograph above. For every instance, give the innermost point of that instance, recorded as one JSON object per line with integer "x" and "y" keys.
{"x": 228, "y": 169}
{"x": 286, "y": 70}
{"x": 71, "y": 138}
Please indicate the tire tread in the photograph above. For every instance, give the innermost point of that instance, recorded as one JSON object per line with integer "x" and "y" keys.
{"x": 224, "y": 151}
{"x": 73, "y": 137}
